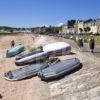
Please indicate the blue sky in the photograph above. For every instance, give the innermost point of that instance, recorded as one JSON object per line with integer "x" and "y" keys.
{"x": 30, "y": 13}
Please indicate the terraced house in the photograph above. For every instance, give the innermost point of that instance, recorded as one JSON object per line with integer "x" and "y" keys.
{"x": 83, "y": 26}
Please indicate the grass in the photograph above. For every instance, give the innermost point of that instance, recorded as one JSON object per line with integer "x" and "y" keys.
{"x": 86, "y": 38}
{"x": 97, "y": 38}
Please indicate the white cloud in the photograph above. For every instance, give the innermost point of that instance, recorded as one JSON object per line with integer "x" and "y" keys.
{"x": 60, "y": 24}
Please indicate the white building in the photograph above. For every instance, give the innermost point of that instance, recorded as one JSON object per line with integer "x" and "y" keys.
{"x": 92, "y": 24}
{"x": 64, "y": 29}
{"x": 81, "y": 25}
{"x": 71, "y": 31}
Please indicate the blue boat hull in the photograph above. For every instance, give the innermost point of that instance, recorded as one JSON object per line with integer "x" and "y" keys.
{"x": 14, "y": 51}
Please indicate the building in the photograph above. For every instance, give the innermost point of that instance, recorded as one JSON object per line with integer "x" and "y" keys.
{"x": 98, "y": 25}
{"x": 79, "y": 26}
{"x": 91, "y": 23}
{"x": 83, "y": 26}
{"x": 64, "y": 29}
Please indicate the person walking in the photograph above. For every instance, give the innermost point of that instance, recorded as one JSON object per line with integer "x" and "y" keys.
{"x": 80, "y": 43}
{"x": 12, "y": 43}
{"x": 92, "y": 44}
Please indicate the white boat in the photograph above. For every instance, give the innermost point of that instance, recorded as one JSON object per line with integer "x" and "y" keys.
{"x": 31, "y": 58}
{"x": 54, "y": 49}
{"x": 57, "y": 48}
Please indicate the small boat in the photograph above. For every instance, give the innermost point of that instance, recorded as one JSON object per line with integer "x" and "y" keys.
{"x": 59, "y": 69}
{"x": 15, "y": 50}
{"x": 57, "y": 48}
{"x": 25, "y": 54}
{"x": 28, "y": 71}
{"x": 54, "y": 49}
{"x": 24, "y": 72}
{"x": 37, "y": 57}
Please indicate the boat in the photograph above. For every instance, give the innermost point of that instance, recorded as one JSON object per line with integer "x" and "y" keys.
{"x": 28, "y": 71}
{"x": 24, "y": 72}
{"x": 25, "y": 54}
{"x": 37, "y": 57}
{"x": 15, "y": 50}
{"x": 57, "y": 48}
{"x": 54, "y": 49}
{"x": 59, "y": 69}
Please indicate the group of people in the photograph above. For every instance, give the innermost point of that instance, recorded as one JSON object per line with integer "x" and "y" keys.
{"x": 80, "y": 43}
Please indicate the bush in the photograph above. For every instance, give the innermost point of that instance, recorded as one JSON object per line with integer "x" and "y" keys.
{"x": 32, "y": 49}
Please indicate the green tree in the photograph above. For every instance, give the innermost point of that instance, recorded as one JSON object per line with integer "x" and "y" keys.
{"x": 71, "y": 23}
{"x": 11, "y": 30}
{"x": 81, "y": 30}
{"x": 88, "y": 29}
{"x": 85, "y": 29}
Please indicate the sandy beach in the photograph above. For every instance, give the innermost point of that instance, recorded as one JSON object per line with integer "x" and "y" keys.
{"x": 9, "y": 89}
{"x": 85, "y": 82}
{"x": 19, "y": 90}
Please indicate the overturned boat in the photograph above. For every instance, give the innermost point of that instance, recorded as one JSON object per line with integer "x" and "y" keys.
{"x": 25, "y": 54}
{"x": 24, "y": 72}
{"x": 54, "y": 49}
{"x": 59, "y": 69}
{"x": 15, "y": 50}
{"x": 28, "y": 71}
{"x": 37, "y": 57}
{"x": 57, "y": 48}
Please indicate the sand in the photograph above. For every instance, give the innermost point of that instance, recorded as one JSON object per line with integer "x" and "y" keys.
{"x": 71, "y": 86}
{"x": 19, "y": 90}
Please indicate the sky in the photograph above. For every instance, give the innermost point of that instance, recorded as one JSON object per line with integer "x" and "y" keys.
{"x": 32, "y": 13}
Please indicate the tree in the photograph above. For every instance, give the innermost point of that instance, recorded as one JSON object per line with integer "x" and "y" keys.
{"x": 53, "y": 29}
{"x": 81, "y": 30}
{"x": 33, "y": 29}
{"x": 11, "y": 30}
{"x": 71, "y": 23}
{"x": 85, "y": 29}
{"x": 88, "y": 29}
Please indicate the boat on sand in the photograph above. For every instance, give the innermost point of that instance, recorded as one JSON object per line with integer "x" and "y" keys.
{"x": 29, "y": 70}
{"x": 15, "y": 50}
{"x": 53, "y": 49}
{"x": 59, "y": 69}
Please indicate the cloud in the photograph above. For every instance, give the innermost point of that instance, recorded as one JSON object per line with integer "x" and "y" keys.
{"x": 60, "y": 24}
